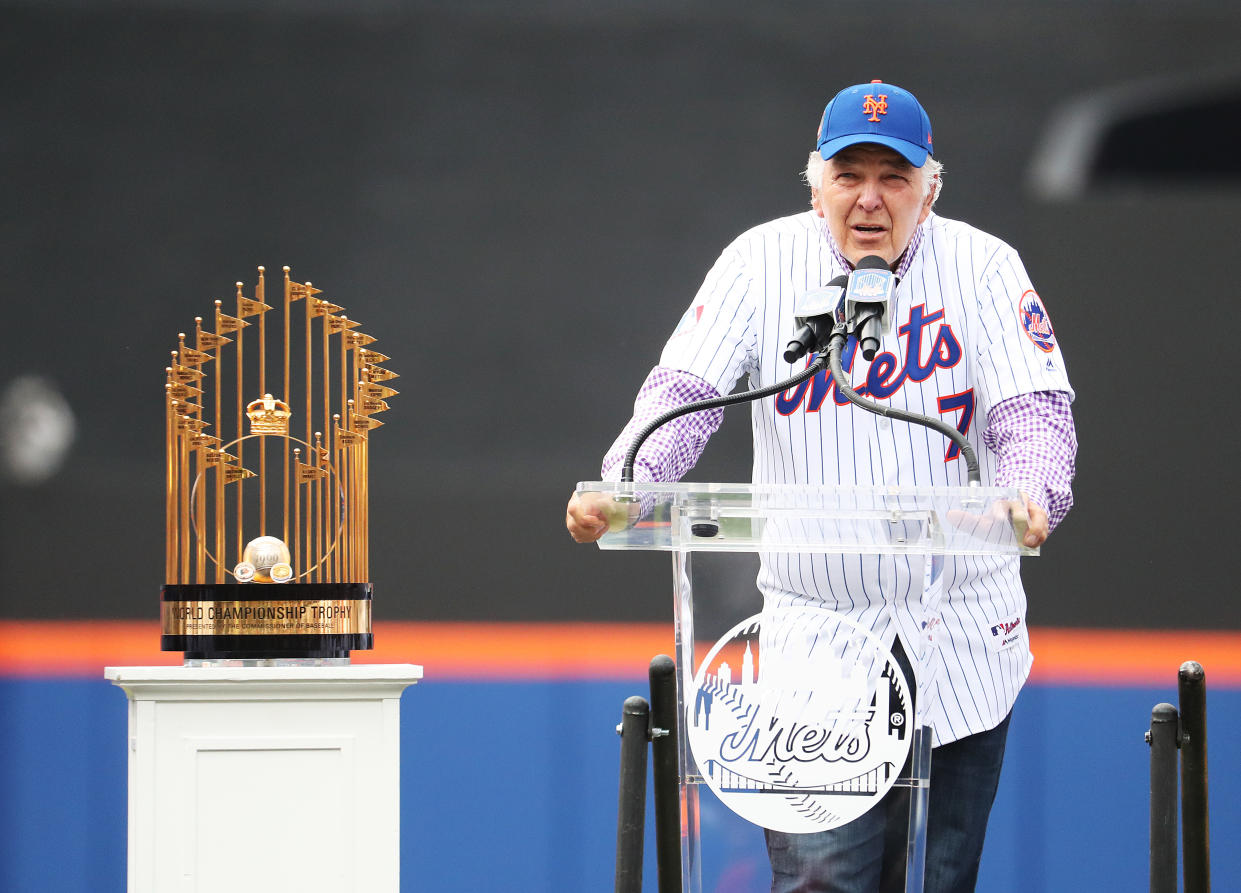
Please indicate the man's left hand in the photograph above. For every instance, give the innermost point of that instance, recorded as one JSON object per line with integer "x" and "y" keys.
{"x": 1036, "y": 532}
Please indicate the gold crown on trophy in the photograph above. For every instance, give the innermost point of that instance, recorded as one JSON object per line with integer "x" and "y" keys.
{"x": 268, "y": 415}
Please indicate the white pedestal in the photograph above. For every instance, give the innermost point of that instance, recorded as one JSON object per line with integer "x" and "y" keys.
{"x": 264, "y": 778}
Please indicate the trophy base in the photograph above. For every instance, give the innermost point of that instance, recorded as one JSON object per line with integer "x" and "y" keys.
{"x": 256, "y": 621}
{"x": 265, "y": 647}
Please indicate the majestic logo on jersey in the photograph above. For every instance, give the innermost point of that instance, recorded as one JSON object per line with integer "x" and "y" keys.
{"x": 1036, "y": 322}
{"x": 875, "y": 108}
{"x": 1006, "y": 634}
{"x": 888, "y": 373}
{"x": 1004, "y": 627}
{"x": 804, "y": 736}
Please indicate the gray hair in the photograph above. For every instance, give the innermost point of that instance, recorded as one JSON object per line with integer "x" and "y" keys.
{"x": 932, "y": 174}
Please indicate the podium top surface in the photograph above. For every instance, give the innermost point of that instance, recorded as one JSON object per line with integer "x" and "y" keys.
{"x": 778, "y": 518}
{"x": 263, "y": 682}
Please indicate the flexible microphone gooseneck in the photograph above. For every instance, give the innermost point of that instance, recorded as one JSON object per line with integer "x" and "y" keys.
{"x": 746, "y": 396}
{"x": 836, "y": 346}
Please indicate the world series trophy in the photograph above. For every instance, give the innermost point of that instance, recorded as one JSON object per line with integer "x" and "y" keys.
{"x": 267, "y": 505}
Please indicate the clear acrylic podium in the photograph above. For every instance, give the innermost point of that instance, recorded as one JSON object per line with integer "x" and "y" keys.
{"x": 741, "y": 522}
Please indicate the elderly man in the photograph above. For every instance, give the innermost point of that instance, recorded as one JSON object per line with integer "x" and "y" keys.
{"x": 971, "y": 344}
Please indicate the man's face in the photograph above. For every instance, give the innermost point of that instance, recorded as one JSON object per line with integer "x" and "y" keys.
{"x": 872, "y": 199}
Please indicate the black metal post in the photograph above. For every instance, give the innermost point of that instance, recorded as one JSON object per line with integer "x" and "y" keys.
{"x": 631, "y": 811}
{"x": 1195, "y": 835}
{"x": 1162, "y": 738}
{"x": 665, "y": 771}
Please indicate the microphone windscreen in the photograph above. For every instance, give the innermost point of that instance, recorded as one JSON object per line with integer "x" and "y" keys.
{"x": 820, "y": 301}
{"x": 872, "y": 262}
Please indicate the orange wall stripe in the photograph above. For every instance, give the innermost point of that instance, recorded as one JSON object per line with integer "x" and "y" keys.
{"x": 492, "y": 651}
{"x": 517, "y": 651}
{"x": 1133, "y": 657}
{"x": 78, "y": 647}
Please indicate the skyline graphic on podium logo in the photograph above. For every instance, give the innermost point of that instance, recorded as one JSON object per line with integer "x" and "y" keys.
{"x": 799, "y": 720}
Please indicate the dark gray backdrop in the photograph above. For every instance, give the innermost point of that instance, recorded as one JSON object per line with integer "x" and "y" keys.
{"x": 520, "y": 200}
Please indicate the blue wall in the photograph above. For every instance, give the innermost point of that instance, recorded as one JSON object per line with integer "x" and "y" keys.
{"x": 512, "y": 786}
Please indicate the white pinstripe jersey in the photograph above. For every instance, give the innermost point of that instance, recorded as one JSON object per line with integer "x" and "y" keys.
{"x": 966, "y": 304}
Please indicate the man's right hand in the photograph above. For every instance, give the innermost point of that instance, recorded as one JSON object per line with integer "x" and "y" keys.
{"x": 591, "y": 515}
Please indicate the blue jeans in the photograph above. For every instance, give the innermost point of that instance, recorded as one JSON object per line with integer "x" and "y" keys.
{"x": 868, "y": 854}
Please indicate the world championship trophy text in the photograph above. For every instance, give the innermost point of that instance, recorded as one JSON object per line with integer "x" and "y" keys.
{"x": 267, "y": 509}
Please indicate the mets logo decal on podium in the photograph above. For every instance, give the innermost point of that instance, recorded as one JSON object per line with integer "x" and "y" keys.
{"x": 1036, "y": 322}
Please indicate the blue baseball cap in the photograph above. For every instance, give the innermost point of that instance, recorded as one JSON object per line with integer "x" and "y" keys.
{"x": 876, "y": 113}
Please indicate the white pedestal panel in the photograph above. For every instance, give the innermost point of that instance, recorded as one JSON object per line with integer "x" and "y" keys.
{"x": 264, "y": 778}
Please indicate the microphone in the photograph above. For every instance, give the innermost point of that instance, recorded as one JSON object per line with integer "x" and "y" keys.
{"x": 815, "y": 314}
{"x": 868, "y": 300}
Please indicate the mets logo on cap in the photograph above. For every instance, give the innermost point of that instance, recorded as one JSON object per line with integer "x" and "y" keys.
{"x": 1035, "y": 321}
{"x": 873, "y": 107}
